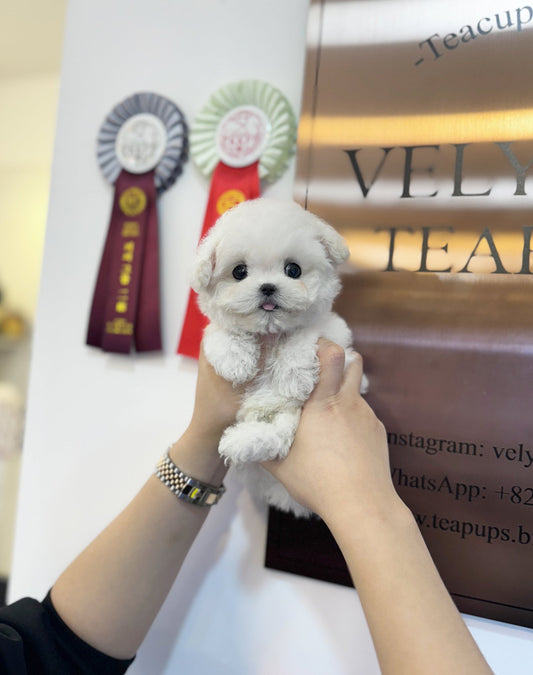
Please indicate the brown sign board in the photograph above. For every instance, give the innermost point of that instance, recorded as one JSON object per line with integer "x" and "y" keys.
{"x": 416, "y": 143}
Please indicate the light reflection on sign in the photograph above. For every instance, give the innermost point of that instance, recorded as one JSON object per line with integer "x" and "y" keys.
{"x": 416, "y": 142}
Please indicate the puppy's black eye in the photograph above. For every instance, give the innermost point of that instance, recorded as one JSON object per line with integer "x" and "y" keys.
{"x": 240, "y": 272}
{"x": 293, "y": 270}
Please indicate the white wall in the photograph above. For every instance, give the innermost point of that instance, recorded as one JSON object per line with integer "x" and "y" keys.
{"x": 92, "y": 414}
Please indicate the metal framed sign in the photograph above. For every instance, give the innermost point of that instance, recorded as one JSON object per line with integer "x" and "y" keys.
{"x": 416, "y": 142}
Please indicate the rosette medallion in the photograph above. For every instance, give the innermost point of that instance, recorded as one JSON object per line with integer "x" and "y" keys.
{"x": 246, "y": 132}
{"x": 141, "y": 149}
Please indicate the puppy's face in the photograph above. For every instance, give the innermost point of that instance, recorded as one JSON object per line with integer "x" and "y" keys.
{"x": 268, "y": 267}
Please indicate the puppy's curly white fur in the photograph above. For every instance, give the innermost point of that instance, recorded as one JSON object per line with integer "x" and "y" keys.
{"x": 266, "y": 277}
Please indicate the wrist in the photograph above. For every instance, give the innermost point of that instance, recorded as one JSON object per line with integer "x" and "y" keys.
{"x": 362, "y": 523}
{"x": 196, "y": 454}
{"x": 185, "y": 487}
{"x": 204, "y": 434}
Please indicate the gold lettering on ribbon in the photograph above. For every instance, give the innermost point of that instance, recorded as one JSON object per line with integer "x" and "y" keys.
{"x": 125, "y": 274}
{"x": 130, "y": 228}
{"x": 127, "y": 251}
{"x": 228, "y": 200}
{"x": 122, "y": 299}
{"x": 132, "y": 202}
{"x": 119, "y": 327}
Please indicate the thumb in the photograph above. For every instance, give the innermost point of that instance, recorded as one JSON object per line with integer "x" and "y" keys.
{"x": 354, "y": 375}
{"x": 331, "y": 358}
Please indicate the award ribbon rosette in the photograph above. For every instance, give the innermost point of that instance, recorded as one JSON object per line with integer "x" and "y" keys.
{"x": 141, "y": 148}
{"x": 245, "y": 133}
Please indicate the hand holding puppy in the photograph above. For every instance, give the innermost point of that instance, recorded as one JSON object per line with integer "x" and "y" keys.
{"x": 266, "y": 277}
{"x": 340, "y": 448}
{"x": 338, "y": 467}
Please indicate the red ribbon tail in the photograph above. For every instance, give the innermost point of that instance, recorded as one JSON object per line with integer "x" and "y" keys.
{"x": 195, "y": 321}
{"x": 229, "y": 186}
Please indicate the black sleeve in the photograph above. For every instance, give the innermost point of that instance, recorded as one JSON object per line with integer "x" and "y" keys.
{"x": 34, "y": 640}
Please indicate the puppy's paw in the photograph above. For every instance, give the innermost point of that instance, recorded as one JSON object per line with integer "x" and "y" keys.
{"x": 296, "y": 372}
{"x": 235, "y": 369}
{"x": 296, "y": 383}
{"x": 233, "y": 357}
{"x": 251, "y": 442}
{"x": 254, "y": 441}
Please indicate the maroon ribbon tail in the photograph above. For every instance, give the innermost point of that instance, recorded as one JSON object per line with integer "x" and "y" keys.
{"x": 126, "y": 298}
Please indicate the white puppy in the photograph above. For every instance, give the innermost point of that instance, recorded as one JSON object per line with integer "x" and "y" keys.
{"x": 266, "y": 278}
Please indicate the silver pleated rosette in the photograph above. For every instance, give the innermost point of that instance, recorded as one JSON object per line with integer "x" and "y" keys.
{"x": 241, "y": 123}
{"x": 141, "y": 149}
{"x": 144, "y": 132}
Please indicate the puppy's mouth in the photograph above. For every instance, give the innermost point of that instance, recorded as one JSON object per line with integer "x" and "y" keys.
{"x": 269, "y": 306}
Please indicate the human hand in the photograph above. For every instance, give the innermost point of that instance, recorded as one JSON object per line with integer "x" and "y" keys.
{"x": 216, "y": 402}
{"x": 340, "y": 453}
{"x": 215, "y": 407}
{"x": 338, "y": 467}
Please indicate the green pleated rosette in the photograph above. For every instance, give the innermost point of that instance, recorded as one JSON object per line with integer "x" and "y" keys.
{"x": 281, "y": 127}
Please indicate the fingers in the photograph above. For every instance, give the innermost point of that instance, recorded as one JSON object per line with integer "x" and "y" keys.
{"x": 331, "y": 358}
{"x": 354, "y": 375}
{"x": 333, "y": 375}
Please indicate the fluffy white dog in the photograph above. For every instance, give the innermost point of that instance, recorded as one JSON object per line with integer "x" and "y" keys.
{"x": 266, "y": 278}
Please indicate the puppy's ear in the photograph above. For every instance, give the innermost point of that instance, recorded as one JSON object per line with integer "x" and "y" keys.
{"x": 334, "y": 245}
{"x": 204, "y": 264}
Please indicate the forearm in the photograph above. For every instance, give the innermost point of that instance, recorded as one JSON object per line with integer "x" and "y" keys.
{"x": 111, "y": 593}
{"x": 415, "y": 625}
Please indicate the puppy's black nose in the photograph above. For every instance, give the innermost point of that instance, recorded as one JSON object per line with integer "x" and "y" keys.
{"x": 268, "y": 289}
